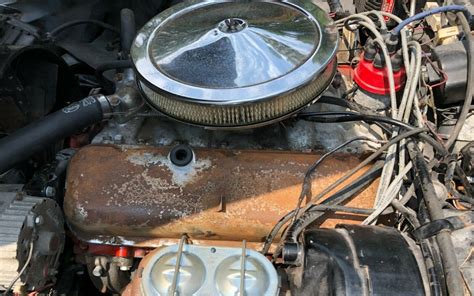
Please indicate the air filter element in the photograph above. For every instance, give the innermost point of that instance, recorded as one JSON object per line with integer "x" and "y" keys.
{"x": 235, "y": 63}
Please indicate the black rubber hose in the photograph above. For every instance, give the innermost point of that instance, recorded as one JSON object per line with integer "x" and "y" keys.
{"x": 336, "y": 199}
{"x": 113, "y": 65}
{"x": 454, "y": 280}
{"x": 346, "y": 104}
{"x": 346, "y": 116}
{"x": 294, "y": 230}
{"x": 307, "y": 182}
{"x": 352, "y": 106}
{"x": 23, "y": 143}
{"x": 70, "y": 24}
{"x": 127, "y": 31}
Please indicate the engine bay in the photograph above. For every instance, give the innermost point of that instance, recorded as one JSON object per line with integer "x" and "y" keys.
{"x": 236, "y": 147}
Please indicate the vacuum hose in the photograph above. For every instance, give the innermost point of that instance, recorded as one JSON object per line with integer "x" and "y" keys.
{"x": 23, "y": 143}
{"x": 127, "y": 30}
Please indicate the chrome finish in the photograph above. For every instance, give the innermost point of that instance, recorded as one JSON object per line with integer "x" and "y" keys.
{"x": 242, "y": 268}
{"x": 207, "y": 270}
{"x": 179, "y": 255}
{"x": 105, "y": 106}
{"x": 234, "y": 54}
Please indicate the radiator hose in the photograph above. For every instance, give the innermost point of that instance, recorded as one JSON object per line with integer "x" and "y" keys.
{"x": 25, "y": 142}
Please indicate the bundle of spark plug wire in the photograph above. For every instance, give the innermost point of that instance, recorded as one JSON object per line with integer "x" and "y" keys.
{"x": 416, "y": 153}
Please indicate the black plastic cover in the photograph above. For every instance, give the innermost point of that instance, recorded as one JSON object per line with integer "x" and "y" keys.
{"x": 358, "y": 260}
{"x": 451, "y": 58}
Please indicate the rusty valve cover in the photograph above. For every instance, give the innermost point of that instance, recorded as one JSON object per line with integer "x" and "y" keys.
{"x": 136, "y": 196}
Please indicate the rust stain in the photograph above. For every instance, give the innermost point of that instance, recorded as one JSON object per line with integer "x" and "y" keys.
{"x": 137, "y": 194}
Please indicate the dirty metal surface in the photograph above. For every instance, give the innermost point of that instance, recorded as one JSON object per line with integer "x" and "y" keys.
{"x": 135, "y": 196}
{"x": 134, "y": 288}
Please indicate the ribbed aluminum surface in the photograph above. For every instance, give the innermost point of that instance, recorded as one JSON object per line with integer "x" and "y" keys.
{"x": 235, "y": 63}
{"x": 27, "y": 221}
{"x": 11, "y": 222}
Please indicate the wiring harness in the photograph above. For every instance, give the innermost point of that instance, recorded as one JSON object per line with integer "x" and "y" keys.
{"x": 400, "y": 162}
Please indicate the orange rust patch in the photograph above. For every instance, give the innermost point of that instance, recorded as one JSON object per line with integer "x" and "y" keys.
{"x": 137, "y": 195}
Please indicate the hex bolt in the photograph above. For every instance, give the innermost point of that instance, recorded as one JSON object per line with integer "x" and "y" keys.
{"x": 39, "y": 220}
{"x": 124, "y": 264}
{"x": 124, "y": 268}
{"x": 114, "y": 100}
{"x": 50, "y": 191}
{"x": 118, "y": 139}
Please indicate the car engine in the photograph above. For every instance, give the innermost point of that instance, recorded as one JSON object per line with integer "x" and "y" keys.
{"x": 296, "y": 147}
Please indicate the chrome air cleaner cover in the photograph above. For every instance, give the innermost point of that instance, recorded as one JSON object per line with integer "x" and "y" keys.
{"x": 228, "y": 64}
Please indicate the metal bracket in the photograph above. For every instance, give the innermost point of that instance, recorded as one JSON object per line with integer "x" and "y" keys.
{"x": 242, "y": 268}
{"x": 179, "y": 255}
{"x": 450, "y": 223}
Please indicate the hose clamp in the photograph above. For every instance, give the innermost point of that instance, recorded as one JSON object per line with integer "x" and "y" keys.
{"x": 105, "y": 106}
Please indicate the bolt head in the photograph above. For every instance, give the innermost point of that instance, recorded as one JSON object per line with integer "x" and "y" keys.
{"x": 39, "y": 220}
{"x": 50, "y": 191}
{"x": 124, "y": 268}
{"x": 98, "y": 271}
{"x": 118, "y": 139}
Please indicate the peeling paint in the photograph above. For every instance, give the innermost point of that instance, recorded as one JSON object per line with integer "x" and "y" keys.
{"x": 136, "y": 194}
{"x": 181, "y": 175}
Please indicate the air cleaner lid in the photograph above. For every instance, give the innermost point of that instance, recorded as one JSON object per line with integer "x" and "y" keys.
{"x": 222, "y": 52}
